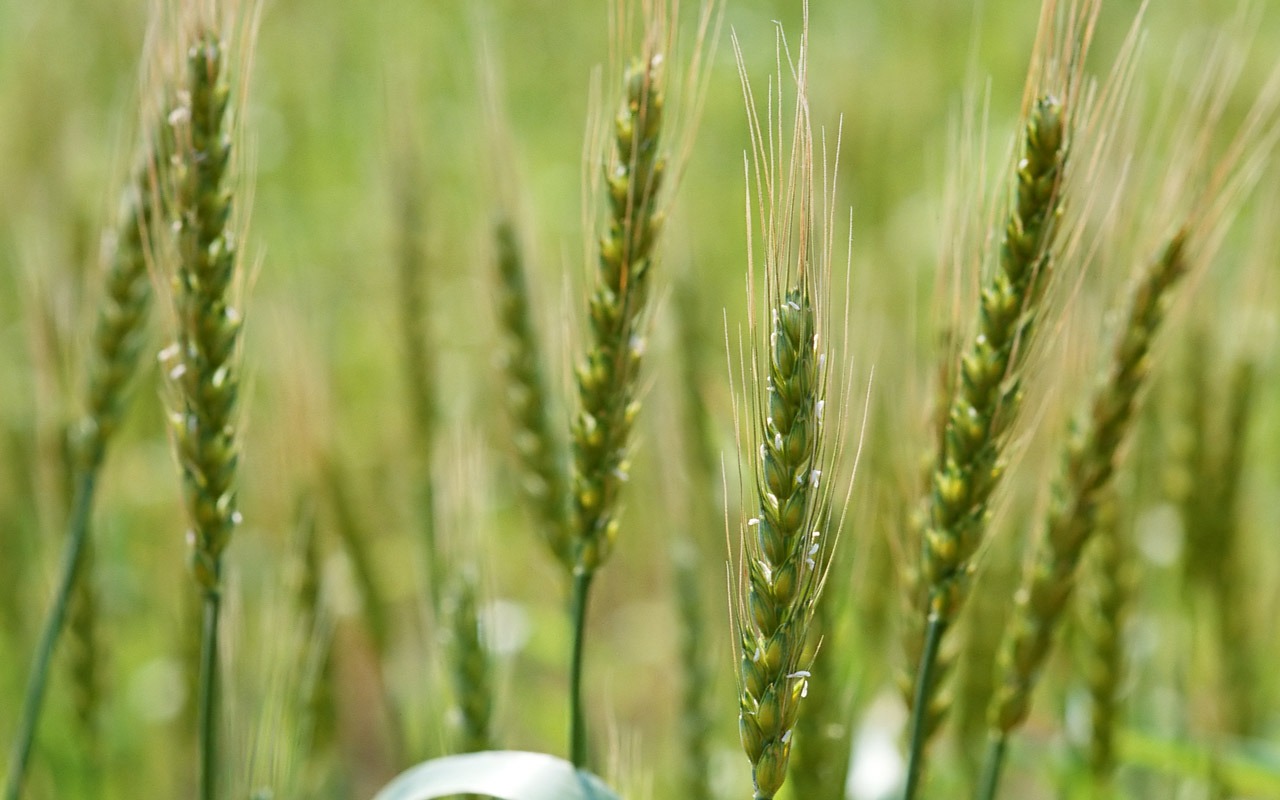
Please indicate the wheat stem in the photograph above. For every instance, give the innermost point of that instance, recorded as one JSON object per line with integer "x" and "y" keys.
{"x": 77, "y": 529}
{"x": 577, "y": 714}
{"x": 207, "y": 696}
{"x": 992, "y": 765}
{"x": 921, "y": 728}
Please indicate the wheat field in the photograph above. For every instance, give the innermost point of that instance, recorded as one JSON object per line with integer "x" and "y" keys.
{"x": 856, "y": 399}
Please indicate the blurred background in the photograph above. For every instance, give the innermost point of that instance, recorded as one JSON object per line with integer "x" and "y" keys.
{"x": 348, "y": 102}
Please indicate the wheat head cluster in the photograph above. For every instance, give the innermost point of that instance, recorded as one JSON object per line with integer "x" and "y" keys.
{"x": 889, "y": 414}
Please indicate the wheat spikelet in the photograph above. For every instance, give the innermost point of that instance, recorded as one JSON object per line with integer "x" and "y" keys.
{"x": 202, "y": 362}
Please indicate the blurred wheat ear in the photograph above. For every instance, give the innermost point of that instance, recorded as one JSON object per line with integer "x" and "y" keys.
{"x": 1109, "y": 589}
{"x": 119, "y": 338}
{"x": 529, "y": 399}
{"x": 1090, "y": 465}
{"x": 1095, "y": 444}
{"x": 1205, "y": 481}
{"x": 414, "y": 274}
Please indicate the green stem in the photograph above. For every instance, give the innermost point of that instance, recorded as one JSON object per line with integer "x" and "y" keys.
{"x": 920, "y": 703}
{"x": 577, "y": 716}
{"x": 992, "y": 766}
{"x": 77, "y": 531}
{"x": 207, "y": 713}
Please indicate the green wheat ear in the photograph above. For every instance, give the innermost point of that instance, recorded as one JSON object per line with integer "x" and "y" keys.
{"x": 1093, "y": 453}
{"x": 953, "y": 516}
{"x": 783, "y": 544}
{"x": 988, "y": 389}
{"x": 471, "y": 668}
{"x": 1108, "y": 591}
{"x": 202, "y": 364}
{"x": 607, "y": 376}
{"x": 529, "y": 400}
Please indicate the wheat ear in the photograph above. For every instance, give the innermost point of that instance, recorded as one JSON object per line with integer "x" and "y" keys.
{"x": 118, "y": 339}
{"x": 607, "y": 374}
{"x": 314, "y": 701}
{"x": 472, "y": 671}
{"x": 356, "y": 540}
{"x": 85, "y": 659}
{"x": 1092, "y": 456}
{"x": 983, "y": 405}
{"x": 782, "y": 540}
{"x": 1103, "y": 628}
{"x": 414, "y": 278}
{"x": 528, "y": 399}
{"x": 687, "y": 562}
{"x": 607, "y": 377}
{"x": 1205, "y": 482}
{"x": 203, "y": 362}
{"x": 1237, "y": 637}
{"x": 785, "y": 545}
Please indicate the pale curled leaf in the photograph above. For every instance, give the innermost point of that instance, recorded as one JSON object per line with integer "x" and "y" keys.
{"x": 506, "y": 774}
